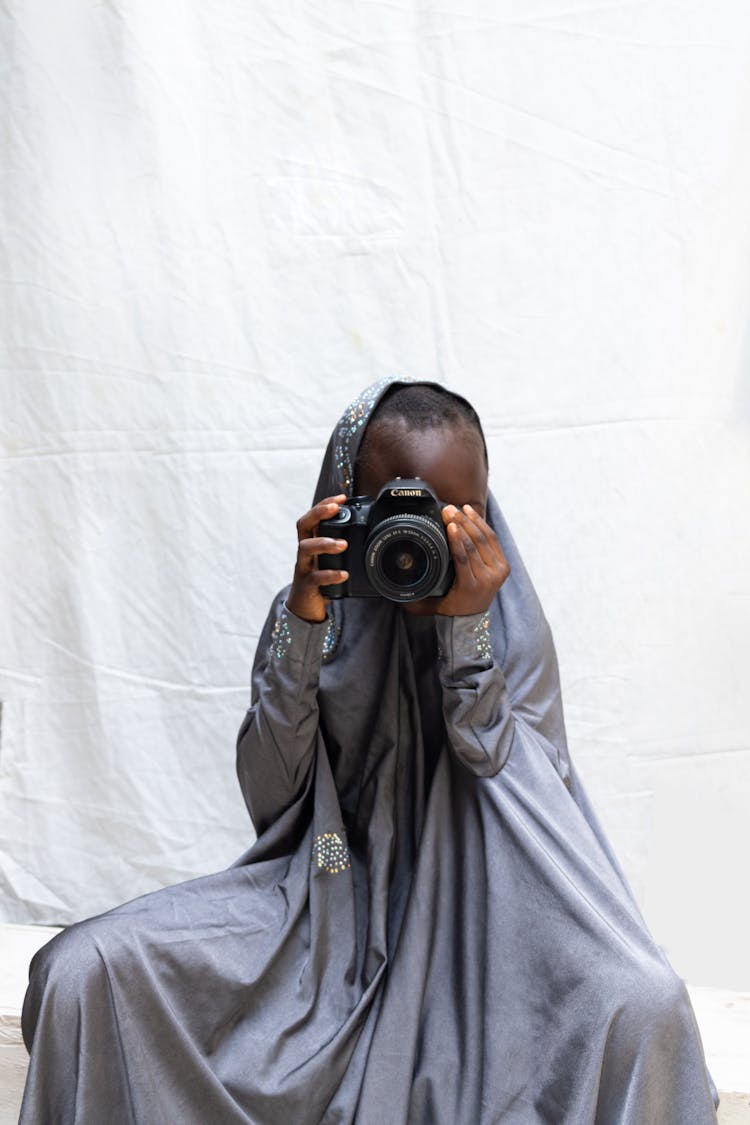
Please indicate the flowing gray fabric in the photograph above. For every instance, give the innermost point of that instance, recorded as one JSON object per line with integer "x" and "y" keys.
{"x": 430, "y": 928}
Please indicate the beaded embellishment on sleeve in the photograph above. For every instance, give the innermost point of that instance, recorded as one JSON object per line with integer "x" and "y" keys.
{"x": 330, "y": 853}
{"x": 482, "y": 637}
{"x": 353, "y": 419}
{"x": 281, "y": 637}
{"x": 330, "y": 640}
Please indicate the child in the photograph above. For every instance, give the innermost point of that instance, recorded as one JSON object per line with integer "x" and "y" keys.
{"x": 431, "y": 928}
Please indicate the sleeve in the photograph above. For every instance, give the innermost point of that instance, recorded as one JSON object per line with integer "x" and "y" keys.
{"x": 276, "y": 742}
{"x": 476, "y": 704}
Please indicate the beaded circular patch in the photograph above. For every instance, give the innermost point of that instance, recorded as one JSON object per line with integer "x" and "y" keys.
{"x": 330, "y": 853}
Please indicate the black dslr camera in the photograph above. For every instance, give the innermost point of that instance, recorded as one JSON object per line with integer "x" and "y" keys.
{"x": 398, "y": 548}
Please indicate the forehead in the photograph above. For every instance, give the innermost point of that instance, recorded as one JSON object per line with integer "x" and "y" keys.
{"x": 450, "y": 459}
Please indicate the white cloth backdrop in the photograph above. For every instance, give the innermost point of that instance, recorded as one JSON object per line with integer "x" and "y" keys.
{"x": 220, "y": 221}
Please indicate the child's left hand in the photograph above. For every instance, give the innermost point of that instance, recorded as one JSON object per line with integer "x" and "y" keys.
{"x": 481, "y": 566}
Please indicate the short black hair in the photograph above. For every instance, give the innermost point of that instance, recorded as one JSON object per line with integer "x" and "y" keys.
{"x": 421, "y": 406}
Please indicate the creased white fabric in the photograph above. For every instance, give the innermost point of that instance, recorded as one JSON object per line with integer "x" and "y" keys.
{"x": 221, "y": 220}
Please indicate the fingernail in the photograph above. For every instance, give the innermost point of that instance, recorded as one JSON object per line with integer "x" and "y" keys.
{"x": 341, "y": 543}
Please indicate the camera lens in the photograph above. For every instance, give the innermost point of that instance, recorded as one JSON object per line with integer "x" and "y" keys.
{"x": 404, "y": 563}
{"x": 407, "y": 557}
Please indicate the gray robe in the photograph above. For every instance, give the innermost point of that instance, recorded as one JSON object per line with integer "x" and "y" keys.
{"x": 430, "y": 929}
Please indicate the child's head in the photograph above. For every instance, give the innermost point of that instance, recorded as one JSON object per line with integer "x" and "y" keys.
{"x": 425, "y": 431}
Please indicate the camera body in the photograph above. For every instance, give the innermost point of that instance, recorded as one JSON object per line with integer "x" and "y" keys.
{"x": 397, "y": 545}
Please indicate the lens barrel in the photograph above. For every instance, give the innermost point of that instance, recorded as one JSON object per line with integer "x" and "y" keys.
{"x": 407, "y": 557}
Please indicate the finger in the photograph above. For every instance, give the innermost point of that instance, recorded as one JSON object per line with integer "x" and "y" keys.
{"x": 462, "y": 550}
{"x": 463, "y": 545}
{"x": 328, "y": 577}
{"x": 321, "y": 545}
{"x": 309, "y": 549}
{"x": 324, "y": 509}
{"x": 483, "y": 536}
{"x": 498, "y": 567}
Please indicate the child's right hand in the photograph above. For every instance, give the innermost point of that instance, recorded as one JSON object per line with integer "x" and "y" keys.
{"x": 305, "y": 599}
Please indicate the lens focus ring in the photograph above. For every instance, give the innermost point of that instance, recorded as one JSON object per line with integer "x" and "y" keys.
{"x": 406, "y": 557}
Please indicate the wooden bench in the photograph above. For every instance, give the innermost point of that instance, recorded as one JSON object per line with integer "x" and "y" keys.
{"x": 723, "y": 1017}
